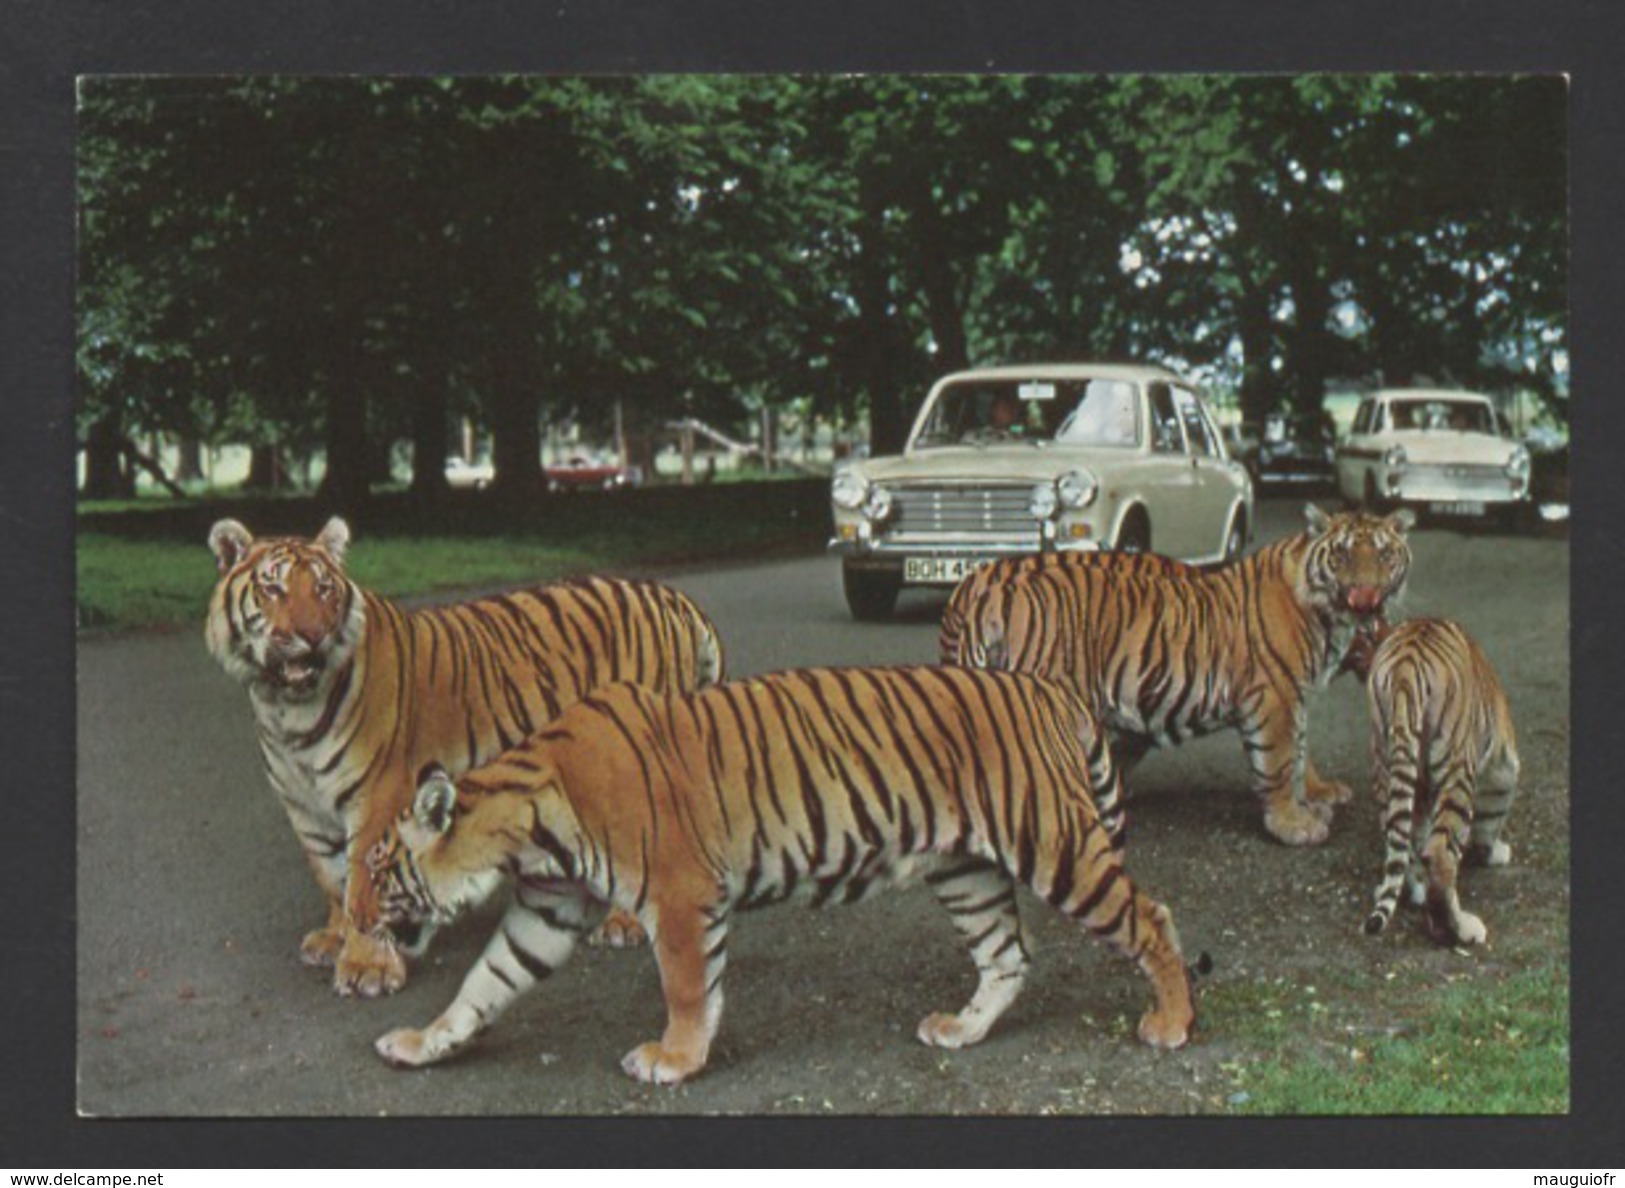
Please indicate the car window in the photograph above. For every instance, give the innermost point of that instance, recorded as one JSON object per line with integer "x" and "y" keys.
{"x": 1090, "y": 412}
{"x": 1165, "y": 435}
{"x": 1197, "y": 432}
{"x": 1106, "y": 413}
{"x": 1363, "y": 417}
{"x": 1434, "y": 415}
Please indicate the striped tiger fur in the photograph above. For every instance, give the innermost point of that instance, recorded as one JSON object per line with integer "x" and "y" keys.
{"x": 827, "y": 783}
{"x": 1444, "y": 766}
{"x": 1163, "y": 651}
{"x": 353, "y": 696}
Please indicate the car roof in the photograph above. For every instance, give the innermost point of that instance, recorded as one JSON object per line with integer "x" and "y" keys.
{"x": 1132, "y": 372}
{"x": 1428, "y": 394}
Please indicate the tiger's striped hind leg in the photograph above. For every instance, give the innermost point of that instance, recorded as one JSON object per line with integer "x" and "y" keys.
{"x": 691, "y": 947}
{"x": 1091, "y": 886}
{"x": 536, "y": 936}
{"x": 1448, "y": 922}
{"x": 982, "y": 901}
{"x": 1492, "y": 800}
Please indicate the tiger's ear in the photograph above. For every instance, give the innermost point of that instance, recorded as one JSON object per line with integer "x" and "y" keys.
{"x": 335, "y": 538}
{"x": 229, "y": 541}
{"x": 1317, "y": 520}
{"x": 1402, "y": 521}
{"x": 435, "y": 804}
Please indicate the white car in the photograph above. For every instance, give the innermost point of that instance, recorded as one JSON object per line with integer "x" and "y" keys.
{"x": 1057, "y": 456}
{"x": 461, "y": 473}
{"x": 1438, "y": 451}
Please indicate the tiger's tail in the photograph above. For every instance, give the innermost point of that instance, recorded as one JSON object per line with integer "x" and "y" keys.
{"x": 1397, "y": 767}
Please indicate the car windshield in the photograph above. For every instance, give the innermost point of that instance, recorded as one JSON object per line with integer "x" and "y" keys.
{"x": 1463, "y": 416}
{"x": 1283, "y": 429}
{"x": 1083, "y": 412}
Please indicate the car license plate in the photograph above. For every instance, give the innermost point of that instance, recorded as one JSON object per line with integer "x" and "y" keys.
{"x": 1460, "y": 507}
{"x": 938, "y": 571}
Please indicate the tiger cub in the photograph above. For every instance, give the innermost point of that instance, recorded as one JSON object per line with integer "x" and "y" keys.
{"x": 354, "y": 695}
{"x": 830, "y": 783}
{"x": 1163, "y": 651}
{"x": 1443, "y": 755}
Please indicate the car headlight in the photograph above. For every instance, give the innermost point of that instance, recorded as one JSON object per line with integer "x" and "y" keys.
{"x": 1076, "y": 488}
{"x": 1044, "y": 501}
{"x": 1518, "y": 463}
{"x": 1394, "y": 459}
{"x": 848, "y": 489}
{"x": 878, "y": 504}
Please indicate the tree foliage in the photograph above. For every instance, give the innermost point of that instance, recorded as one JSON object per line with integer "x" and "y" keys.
{"x": 337, "y": 263}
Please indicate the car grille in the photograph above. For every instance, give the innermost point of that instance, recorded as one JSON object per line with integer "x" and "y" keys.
{"x": 955, "y": 512}
{"x": 1455, "y": 481}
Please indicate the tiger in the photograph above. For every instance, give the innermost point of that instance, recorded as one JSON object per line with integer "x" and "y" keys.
{"x": 353, "y": 696}
{"x": 826, "y": 784}
{"x": 1163, "y": 651}
{"x": 1443, "y": 755}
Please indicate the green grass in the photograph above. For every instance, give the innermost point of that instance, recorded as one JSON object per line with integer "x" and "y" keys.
{"x": 1494, "y": 1046}
{"x": 149, "y": 566}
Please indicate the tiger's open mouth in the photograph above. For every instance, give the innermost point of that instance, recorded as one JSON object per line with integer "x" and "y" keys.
{"x": 1365, "y": 602}
{"x": 298, "y": 674}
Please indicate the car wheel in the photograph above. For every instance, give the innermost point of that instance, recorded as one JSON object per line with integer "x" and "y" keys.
{"x": 1135, "y": 534}
{"x": 1235, "y": 541}
{"x": 871, "y": 594}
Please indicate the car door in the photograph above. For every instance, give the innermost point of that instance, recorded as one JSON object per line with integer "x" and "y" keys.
{"x": 1354, "y": 452}
{"x": 1214, "y": 489}
{"x": 1172, "y": 481}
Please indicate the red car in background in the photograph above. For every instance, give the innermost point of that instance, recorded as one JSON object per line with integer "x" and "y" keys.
{"x": 583, "y": 474}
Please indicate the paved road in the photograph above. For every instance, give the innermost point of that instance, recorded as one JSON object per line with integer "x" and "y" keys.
{"x": 192, "y": 897}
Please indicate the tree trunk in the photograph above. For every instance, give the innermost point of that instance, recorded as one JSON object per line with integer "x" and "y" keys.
{"x": 1311, "y": 344}
{"x": 878, "y": 366}
{"x": 266, "y": 471}
{"x": 516, "y": 445}
{"x": 430, "y": 410}
{"x": 189, "y": 460}
{"x": 937, "y": 281}
{"x": 106, "y": 476}
{"x": 1257, "y": 342}
{"x": 350, "y": 463}
{"x": 515, "y": 372}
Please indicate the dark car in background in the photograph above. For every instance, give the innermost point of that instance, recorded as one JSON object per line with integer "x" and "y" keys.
{"x": 1288, "y": 448}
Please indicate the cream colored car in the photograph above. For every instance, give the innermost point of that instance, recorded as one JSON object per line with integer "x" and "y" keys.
{"x": 1045, "y": 457}
{"x": 1438, "y": 451}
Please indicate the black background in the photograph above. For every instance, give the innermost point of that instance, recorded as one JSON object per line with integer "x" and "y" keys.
{"x": 47, "y": 44}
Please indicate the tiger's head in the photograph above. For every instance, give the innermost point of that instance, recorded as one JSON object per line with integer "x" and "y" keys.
{"x": 284, "y": 614}
{"x": 418, "y": 872}
{"x": 1356, "y": 564}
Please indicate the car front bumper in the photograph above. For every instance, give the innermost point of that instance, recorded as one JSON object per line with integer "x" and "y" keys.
{"x": 941, "y": 563}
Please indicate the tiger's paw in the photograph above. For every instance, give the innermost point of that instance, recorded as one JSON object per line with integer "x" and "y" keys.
{"x": 368, "y": 968}
{"x": 406, "y": 1047}
{"x": 1466, "y": 929}
{"x": 1299, "y": 825}
{"x": 321, "y": 947}
{"x": 620, "y": 930}
{"x": 1165, "y": 1031}
{"x": 655, "y": 1064}
{"x": 1327, "y": 792}
{"x": 941, "y": 1030}
{"x": 1497, "y": 853}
